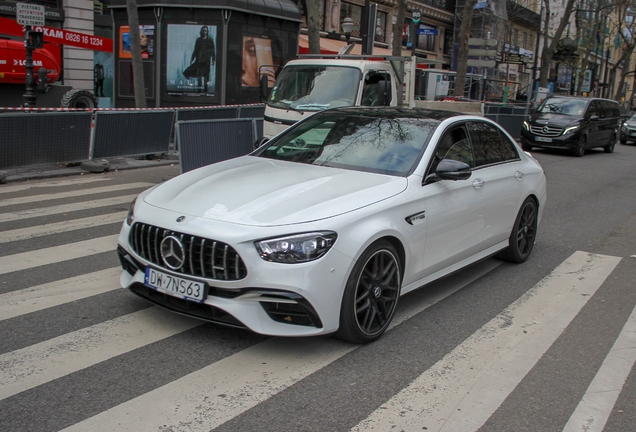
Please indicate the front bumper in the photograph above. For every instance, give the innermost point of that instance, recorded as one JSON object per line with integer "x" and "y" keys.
{"x": 273, "y": 299}
{"x": 567, "y": 141}
{"x": 628, "y": 135}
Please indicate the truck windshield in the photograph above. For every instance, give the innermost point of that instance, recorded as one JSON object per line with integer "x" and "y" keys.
{"x": 315, "y": 88}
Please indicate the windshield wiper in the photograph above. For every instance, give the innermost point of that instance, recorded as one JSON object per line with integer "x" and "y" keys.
{"x": 312, "y": 105}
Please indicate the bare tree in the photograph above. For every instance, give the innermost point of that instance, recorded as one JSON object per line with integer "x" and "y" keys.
{"x": 462, "y": 42}
{"x": 550, "y": 49}
{"x": 312, "y": 16}
{"x": 135, "y": 49}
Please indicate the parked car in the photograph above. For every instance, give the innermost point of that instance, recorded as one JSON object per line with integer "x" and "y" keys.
{"x": 322, "y": 228}
{"x": 572, "y": 123}
{"x": 628, "y": 130}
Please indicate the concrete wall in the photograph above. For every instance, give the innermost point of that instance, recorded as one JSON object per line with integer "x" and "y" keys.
{"x": 78, "y": 62}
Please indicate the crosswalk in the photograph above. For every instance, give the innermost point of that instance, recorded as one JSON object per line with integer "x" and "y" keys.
{"x": 78, "y": 353}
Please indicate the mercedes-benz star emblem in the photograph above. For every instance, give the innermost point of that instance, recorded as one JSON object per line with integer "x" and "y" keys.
{"x": 545, "y": 129}
{"x": 180, "y": 218}
{"x": 172, "y": 252}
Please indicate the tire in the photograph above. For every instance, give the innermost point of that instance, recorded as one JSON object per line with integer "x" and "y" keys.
{"x": 371, "y": 294}
{"x": 579, "y": 150}
{"x": 78, "y": 99}
{"x": 623, "y": 142}
{"x": 523, "y": 235}
{"x": 610, "y": 147}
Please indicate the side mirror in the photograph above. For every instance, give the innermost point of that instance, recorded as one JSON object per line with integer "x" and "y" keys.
{"x": 259, "y": 142}
{"x": 449, "y": 169}
{"x": 594, "y": 118}
{"x": 264, "y": 86}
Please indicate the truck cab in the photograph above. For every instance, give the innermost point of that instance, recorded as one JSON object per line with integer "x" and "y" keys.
{"x": 308, "y": 85}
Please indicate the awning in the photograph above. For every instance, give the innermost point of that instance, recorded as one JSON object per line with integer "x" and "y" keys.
{"x": 333, "y": 46}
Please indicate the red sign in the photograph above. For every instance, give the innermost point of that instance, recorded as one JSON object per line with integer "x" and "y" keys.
{"x": 64, "y": 37}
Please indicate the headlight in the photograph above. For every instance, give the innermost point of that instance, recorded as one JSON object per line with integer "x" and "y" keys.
{"x": 526, "y": 126}
{"x": 296, "y": 248}
{"x": 570, "y": 129}
{"x": 131, "y": 213}
{"x": 624, "y": 127}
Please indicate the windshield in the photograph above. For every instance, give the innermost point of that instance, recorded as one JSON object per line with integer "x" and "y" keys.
{"x": 387, "y": 144}
{"x": 315, "y": 88}
{"x": 571, "y": 107}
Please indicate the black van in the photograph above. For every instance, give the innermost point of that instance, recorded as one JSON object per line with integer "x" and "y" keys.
{"x": 573, "y": 123}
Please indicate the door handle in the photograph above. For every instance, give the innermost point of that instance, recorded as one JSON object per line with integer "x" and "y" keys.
{"x": 478, "y": 183}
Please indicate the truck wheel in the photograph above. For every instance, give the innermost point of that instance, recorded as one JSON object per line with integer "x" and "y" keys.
{"x": 78, "y": 99}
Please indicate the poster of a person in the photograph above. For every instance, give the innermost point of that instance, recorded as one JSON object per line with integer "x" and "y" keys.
{"x": 191, "y": 58}
{"x": 257, "y": 59}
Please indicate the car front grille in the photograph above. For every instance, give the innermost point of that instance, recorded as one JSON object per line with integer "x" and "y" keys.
{"x": 204, "y": 258}
{"x": 546, "y": 131}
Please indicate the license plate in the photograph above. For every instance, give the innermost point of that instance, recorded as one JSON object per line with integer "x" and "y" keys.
{"x": 542, "y": 139}
{"x": 632, "y": 132}
{"x": 174, "y": 285}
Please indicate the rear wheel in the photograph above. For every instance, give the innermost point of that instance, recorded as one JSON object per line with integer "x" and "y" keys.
{"x": 579, "y": 150}
{"x": 78, "y": 99}
{"x": 371, "y": 294}
{"x": 523, "y": 235}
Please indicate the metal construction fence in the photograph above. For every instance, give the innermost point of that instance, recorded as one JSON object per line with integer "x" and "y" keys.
{"x": 203, "y": 142}
{"x": 509, "y": 117}
{"x": 43, "y": 136}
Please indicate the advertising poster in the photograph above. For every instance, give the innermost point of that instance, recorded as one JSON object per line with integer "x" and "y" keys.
{"x": 191, "y": 59}
{"x": 146, "y": 40}
{"x": 257, "y": 52}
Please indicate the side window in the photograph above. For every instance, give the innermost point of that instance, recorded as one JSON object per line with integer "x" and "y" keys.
{"x": 508, "y": 148}
{"x": 591, "y": 110}
{"x": 376, "y": 90}
{"x": 454, "y": 145}
{"x": 603, "y": 110}
{"x": 486, "y": 144}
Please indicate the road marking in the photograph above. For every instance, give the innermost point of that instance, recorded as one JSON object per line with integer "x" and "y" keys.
{"x": 596, "y": 406}
{"x": 37, "y": 364}
{"x": 217, "y": 393}
{"x": 62, "y": 227}
{"x": 51, "y": 183}
{"x": 51, "y": 294}
{"x": 57, "y": 254}
{"x": 462, "y": 390}
{"x": 66, "y": 208}
{"x": 70, "y": 194}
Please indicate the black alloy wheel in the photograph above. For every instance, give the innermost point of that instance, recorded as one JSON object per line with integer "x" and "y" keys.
{"x": 609, "y": 148}
{"x": 524, "y": 233}
{"x": 579, "y": 150}
{"x": 371, "y": 294}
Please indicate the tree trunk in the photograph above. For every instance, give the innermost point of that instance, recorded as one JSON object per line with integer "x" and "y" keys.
{"x": 313, "y": 22}
{"x": 135, "y": 49}
{"x": 398, "y": 28}
{"x": 548, "y": 53}
{"x": 462, "y": 42}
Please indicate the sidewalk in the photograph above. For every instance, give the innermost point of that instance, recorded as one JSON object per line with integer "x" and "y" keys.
{"x": 33, "y": 172}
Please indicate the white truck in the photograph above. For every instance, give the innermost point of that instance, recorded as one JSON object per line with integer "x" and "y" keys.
{"x": 314, "y": 83}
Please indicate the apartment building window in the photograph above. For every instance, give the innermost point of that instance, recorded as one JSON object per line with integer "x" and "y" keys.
{"x": 524, "y": 40}
{"x": 448, "y": 42}
{"x": 354, "y": 12}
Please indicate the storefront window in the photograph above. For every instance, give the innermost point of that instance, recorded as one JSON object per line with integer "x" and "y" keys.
{"x": 380, "y": 27}
{"x": 426, "y": 41}
{"x": 354, "y": 12}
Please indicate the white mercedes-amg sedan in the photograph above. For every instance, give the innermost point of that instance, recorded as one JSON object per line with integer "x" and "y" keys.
{"x": 323, "y": 228}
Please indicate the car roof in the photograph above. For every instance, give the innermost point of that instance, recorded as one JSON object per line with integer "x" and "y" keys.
{"x": 423, "y": 113}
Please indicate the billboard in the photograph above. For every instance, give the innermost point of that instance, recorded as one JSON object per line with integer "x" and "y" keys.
{"x": 191, "y": 59}
{"x": 146, "y": 41}
{"x": 257, "y": 57}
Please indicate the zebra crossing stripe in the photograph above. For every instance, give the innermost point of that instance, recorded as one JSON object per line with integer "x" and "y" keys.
{"x": 61, "y": 227}
{"x": 57, "y": 254}
{"x": 462, "y": 390}
{"x": 596, "y": 406}
{"x": 52, "y": 294}
{"x": 70, "y": 194}
{"x": 66, "y": 208}
{"x": 239, "y": 377}
{"x": 37, "y": 364}
{"x": 51, "y": 183}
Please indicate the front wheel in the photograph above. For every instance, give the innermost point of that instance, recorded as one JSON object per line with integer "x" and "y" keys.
{"x": 609, "y": 148}
{"x": 371, "y": 294}
{"x": 579, "y": 150}
{"x": 524, "y": 233}
{"x": 623, "y": 141}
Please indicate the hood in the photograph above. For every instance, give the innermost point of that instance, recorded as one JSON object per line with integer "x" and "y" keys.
{"x": 554, "y": 119}
{"x": 263, "y": 192}
{"x": 630, "y": 123}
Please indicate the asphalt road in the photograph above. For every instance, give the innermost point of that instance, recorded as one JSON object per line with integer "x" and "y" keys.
{"x": 544, "y": 346}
